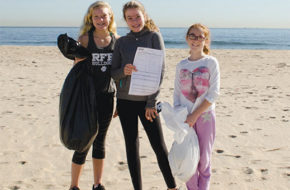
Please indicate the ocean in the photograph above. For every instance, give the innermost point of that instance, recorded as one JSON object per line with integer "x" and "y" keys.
{"x": 221, "y": 38}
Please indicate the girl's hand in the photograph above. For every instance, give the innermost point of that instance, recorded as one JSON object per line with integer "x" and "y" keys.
{"x": 129, "y": 68}
{"x": 191, "y": 119}
{"x": 78, "y": 60}
{"x": 115, "y": 113}
{"x": 151, "y": 114}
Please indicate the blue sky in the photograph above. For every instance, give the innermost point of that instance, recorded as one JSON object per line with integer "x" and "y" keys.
{"x": 165, "y": 13}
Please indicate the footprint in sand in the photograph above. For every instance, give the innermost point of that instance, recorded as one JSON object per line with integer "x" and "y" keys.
{"x": 22, "y": 162}
{"x": 216, "y": 183}
{"x": 7, "y": 112}
{"x": 219, "y": 151}
{"x": 234, "y": 156}
{"x": 264, "y": 171}
{"x": 248, "y": 171}
{"x": 272, "y": 87}
{"x": 255, "y": 161}
{"x": 122, "y": 166}
{"x": 249, "y": 108}
{"x": 281, "y": 65}
{"x": 14, "y": 187}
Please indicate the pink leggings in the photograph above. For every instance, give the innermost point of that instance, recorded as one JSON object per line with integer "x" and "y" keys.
{"x": 205, "y": 130}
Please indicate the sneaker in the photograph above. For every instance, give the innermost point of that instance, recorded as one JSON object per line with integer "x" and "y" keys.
{"x": 74, "y": 188}
{"x": 100, "y": 187}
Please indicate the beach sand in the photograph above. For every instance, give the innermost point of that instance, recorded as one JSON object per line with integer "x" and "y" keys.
{"x": 251, "y": 150}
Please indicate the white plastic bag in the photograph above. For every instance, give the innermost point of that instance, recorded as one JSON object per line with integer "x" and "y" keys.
{"x": 184, "y": 153}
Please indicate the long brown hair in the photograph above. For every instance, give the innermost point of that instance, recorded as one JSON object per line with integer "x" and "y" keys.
{"x": 205, "y": 30}
{"x": 149, "y": 23}
{"x": 88, "y": 22}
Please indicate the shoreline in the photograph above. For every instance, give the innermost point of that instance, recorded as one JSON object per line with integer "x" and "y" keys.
{"x": 50, "y": 46}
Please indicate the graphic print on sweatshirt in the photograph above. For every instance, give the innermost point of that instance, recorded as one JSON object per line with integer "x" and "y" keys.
{"x": 194, "y": 84}
{"x": 102, "y": 60}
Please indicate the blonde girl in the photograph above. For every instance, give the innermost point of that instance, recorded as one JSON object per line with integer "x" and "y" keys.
{"x": 98, "y": 35}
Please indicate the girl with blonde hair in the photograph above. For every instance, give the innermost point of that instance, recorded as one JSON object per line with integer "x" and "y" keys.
{"x": 98, "y": 35}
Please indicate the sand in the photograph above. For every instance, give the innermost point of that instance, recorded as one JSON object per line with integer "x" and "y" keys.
{"x": 251, "y": 149}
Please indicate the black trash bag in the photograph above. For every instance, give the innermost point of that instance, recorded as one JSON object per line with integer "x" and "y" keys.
{"x": 77, "y": 108}
{"x": 71, "y": 48}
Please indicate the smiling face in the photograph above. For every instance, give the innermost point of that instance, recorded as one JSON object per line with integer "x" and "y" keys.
{"x": 101, "y": 18}
{"x": 135, "y": 19}
{"x": 196, "y": 39}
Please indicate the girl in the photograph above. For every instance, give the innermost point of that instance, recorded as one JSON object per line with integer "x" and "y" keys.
{"x": 144, "y": 33}
{"x": 197, "y": 83}
{"x": 98, "y": 34}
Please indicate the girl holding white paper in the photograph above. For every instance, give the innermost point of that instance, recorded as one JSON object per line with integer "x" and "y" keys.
{"x": 144, "y": 33}
{"x": 197, "y": 84}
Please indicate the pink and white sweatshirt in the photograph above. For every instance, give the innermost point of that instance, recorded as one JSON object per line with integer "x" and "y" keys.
{"x": 196, "y": 81}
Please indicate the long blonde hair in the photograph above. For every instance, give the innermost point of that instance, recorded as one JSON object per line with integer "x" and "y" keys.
{"x": 88, "y": 22}
{"x": 205, "y": 30}
{"x": 149, "y": 23}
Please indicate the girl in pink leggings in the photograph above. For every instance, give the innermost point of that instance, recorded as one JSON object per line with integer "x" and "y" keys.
{"x": 197, "y": 83}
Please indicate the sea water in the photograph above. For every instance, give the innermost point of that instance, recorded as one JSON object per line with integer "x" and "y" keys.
{"x": 221, "y": 38}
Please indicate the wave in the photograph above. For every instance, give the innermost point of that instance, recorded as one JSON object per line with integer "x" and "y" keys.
{"x": 231, "y": 44}
{"x": 174, "y": 42}
{"x": 222, "y": 43}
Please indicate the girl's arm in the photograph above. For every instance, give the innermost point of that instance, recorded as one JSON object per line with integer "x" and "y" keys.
{"x": 177, "y": 92}
{"x": 157, "y": 43}
{"x": 211, "y": 96}
{"x": 192, "y": 118}
{"x": 84, "y": 40}
{"x": 117, "y": 70}
{"x": 214, "y": 81}
{"x": 151, "y": 112}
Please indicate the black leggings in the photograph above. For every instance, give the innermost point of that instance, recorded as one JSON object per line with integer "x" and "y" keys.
{"x": 105, "y": 104}
{"x": 128, "y": 113}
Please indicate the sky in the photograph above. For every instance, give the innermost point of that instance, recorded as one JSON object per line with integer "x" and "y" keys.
{"x": 165, "y": 13}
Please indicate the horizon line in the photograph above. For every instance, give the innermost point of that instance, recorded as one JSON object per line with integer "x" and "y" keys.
{"x": 127, "y": 27}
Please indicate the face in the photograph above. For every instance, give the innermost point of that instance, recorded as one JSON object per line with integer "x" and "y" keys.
{"x": 196, "y": 39}
{"x": 101, "y": 18}
{"x": 135, "y": 19}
